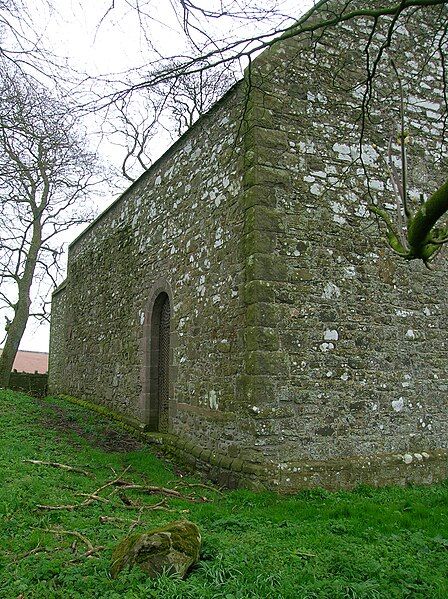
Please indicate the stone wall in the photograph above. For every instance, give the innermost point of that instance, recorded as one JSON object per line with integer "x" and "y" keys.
{"x": 28, "y": 382}
{"x": 176, "y": 229}
{"x": 346, "y": 371}
{"x": 303, "y": 349}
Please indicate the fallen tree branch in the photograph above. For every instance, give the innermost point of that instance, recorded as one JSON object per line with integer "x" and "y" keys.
{"x": 161, "y": 505}
{"x": 199, "y": 485}
{"x": 136, "y": 522}
{"x": 73, "y": 533}
{"x": 62, "y": 466}
{"x": 123, "y": 485}
{"x": 91, "y": 550}
{"x": 70, "y": 507}
{"x": 90, "y": 497}
{"x": 153, "y": 490}
{"x": 55, "y": 508}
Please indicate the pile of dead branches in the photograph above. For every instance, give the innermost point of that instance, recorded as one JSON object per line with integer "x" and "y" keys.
{"x": 115, "y": 492}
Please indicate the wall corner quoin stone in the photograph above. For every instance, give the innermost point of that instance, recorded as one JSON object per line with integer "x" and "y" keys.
{"x": 264, "y": 267}
{"x": 315, "y": 271}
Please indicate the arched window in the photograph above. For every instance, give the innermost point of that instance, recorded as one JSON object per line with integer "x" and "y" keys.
{"x": 159, "y": 364}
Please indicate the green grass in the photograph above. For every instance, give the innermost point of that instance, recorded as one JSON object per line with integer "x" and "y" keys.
{"x": 388, "y": 543}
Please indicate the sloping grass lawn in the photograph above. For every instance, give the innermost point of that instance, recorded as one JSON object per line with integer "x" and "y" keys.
{"x": 389, "y": 543}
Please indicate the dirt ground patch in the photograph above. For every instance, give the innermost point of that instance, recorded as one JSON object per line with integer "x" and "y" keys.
{"x": 100, "y": 434}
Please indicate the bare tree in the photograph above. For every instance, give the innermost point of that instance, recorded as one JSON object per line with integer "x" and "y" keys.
{"x": 46, "y": 173}
{"x": 23, "y": 46}
{"x": 167, "y": 110}
{"x": 190, "y": 97}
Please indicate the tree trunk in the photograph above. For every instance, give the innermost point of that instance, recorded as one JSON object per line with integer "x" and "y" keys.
{"x": 22, "y": 309}
{"x": 13, "y": 338}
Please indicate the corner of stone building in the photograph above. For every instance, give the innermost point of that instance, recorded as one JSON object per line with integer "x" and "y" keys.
{"x": 265, "y": 270}
{"x": 58, "y": 332}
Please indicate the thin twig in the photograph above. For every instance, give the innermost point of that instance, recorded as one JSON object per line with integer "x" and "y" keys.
{"x": 148, "y": 506}
{"x": 107, "y": 519}
{"x": 93, "y": 496}
{"x": 111, "y": 482}
{"x": 37, "y": 549}
{"x": 136, "y": 522}
{"x": 94, "y": 550}
{"x": 155, "y": 506}
{"x": 404, "y": 165}
{"x": 300, "y": 553}
{"x": 88, "y": 553}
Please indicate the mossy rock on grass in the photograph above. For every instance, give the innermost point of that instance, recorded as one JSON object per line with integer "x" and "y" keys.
{"x": 171, "y": 549}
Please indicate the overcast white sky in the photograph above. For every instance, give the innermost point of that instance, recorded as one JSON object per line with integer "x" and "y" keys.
{"x": 75, "y": 29}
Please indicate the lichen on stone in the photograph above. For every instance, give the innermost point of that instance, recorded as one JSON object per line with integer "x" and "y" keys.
{"x": 170, "y": 549}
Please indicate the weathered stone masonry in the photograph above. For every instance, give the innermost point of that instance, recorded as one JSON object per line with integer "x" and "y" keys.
{"x": 176, "y": 230}
{"x": 302, "y": 351}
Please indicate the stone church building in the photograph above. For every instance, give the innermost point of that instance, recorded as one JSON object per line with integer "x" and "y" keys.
{"x": 239, "y": 296}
